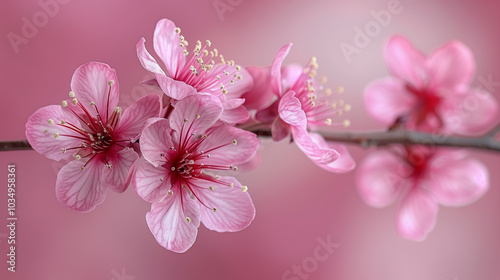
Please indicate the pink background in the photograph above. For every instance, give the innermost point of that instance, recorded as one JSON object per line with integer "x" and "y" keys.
{"x": 296, "y": 202}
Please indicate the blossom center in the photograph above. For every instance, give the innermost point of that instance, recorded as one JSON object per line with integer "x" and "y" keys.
{"x": 94, "y": 130}
{"x": 428, "y": 103}
{"x": 203, "y": 72}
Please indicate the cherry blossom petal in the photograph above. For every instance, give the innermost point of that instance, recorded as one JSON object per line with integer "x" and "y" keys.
{"x": 151, "y": 83}
{"x": 311, "y": 149}
{"x": 268, "y": 114}
{"x": 458, "y": 182}
{"x": 261, "y": 95}
{"x": 471, "y": 113}
{"x": 195, "y": 114}
{"x": 80, "y": 190}
{"x": 234, "y": 209}
{"x": 379, "y": 179}
{"x": 228, "y": 146}
{"x": 290, "y": 110}
{"x": 174, "y": 89}
{"x": 40, "y": 133}
{"x": 174, "y": 221}
{"x": 451, "y": 66}
{"x": 279, "y": 129}
{"x": 167, "y": 45}
{"x": 276, "y": 83}
{"x": 152, "y": 183}
{"x": 386, "y": 100}
{"x": 416, "y": 215}
{"x": 240, "y": 85}
{"x": 251, "y": 164}
{"x": 122, "y": 166}
{"x": 229, "y": 104}
{"x": 147, "y": 60}
{"x": 234, "y": 116}
{"x": 343, "y": 164}
{"x": 405, "y": 62}
{"x": 290, "y": 74}
{"x": 134, "y": 117}
{"x": 90, "y": 84}
{"x": 156, "y": 142}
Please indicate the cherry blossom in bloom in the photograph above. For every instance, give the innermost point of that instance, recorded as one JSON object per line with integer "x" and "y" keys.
{"x": 430, "y": 93}
{"x": 92, "y": 130}
{"x": 182, "y": 156}
{"x": 303, "y": 103}
{"x": 422, "y": 178}
{"x": 203, "y": 69}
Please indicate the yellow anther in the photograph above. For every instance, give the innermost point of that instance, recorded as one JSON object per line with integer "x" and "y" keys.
{"x": 347, "y": 123}
{"x": 64, "y": 103}
{"x": 244, "y": 188}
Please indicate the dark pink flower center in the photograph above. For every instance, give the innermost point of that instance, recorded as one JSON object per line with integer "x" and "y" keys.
{"x": 428, "y": 103}
{"x": 418, "y": 159}
{"x": 187, "y": 164}
{"x": 95, "y": 130}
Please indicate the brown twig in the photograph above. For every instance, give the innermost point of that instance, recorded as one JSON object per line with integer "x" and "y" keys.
{"x": 365, "y": 139}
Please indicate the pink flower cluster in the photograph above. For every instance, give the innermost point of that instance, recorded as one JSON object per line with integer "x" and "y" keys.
{"x": 179, "y": 150}
{"x": 426, "y": 94}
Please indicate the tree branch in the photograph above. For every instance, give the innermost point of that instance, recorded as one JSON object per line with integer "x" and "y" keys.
{"x": 15, "y": 145}
{"x": 365, "y": 139}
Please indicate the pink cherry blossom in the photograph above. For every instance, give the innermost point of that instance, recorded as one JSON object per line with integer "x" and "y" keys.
{"x": 430, "y": 93}
{"x": 204, "y": 70}
{"x": 94, "y": 132}
{"x": 422, "y": 178}
{"x": 177, "y": 177}
{"x": 260, "y": 95}
{"x": 303, "y": 104}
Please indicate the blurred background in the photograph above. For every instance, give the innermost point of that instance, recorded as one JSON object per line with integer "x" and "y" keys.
{"x": 300, "y": 208}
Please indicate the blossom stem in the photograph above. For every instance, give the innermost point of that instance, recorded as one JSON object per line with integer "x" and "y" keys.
{"x": 365, "y": 139}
